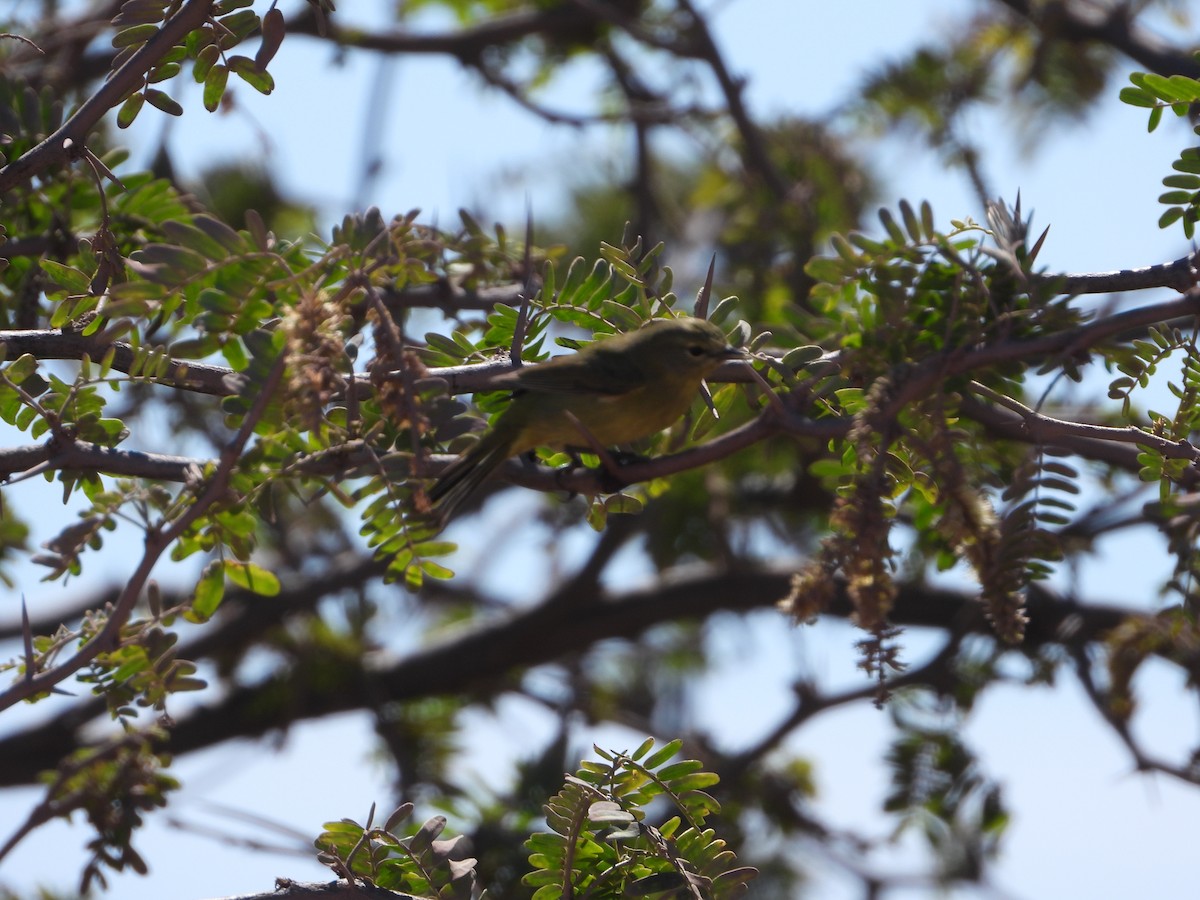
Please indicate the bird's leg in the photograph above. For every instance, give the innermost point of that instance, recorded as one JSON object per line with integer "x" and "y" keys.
{"x": 628, "y": 457}
{"x": 594, "y": 445}
{"x": 611, "y": 467}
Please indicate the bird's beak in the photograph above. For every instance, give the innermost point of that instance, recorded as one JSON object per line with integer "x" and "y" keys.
{"x": 731, "y": 352}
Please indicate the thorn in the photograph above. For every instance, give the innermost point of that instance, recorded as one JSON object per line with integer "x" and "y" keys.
{"x": 1038, "y": 245}
{"x": 708, "y": 400}
{"x": 103, "y": 169}
{"x": 705, "y": 294}
{"x": 772, "y": 398}
{"x": 518, "y": 341}
{"x": 606, "y": 459}
{"x": 27, "y": 639}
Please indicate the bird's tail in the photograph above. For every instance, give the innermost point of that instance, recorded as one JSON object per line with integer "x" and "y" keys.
{"x": 467, "y": 473}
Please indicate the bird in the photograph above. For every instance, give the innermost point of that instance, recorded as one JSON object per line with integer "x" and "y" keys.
{"x": 612, "y": 391}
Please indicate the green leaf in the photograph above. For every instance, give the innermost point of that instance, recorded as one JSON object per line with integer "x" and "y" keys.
{"x": 163, "y": 101}
{"x": 214, "y": 87}
{"x": 657, "y": 883}
{"x": 1185, "y": 88}
{"x": 163, "y": 72}
{"x": 1187, "y": 182}
{"x": 21, "y": 368}
{"x": 1136, "y": 96}
{"x": 862, "y": 242}
{"x": 895, "y": 232}
{"x": 436, "y": 570}
{"x": 1170, "y": 217}
{"x": 678, "y": 769}
{"x": 221, "y": 233}
{"x": 205, "y": 60}
{"x": 239, "y": 25}
{"x": 665, "y": 752}
{"x": 210, "y": 590}
{"x": 1187, "y": 163}
{"x": 193, "y": 238}
{"x": 235, "y": 354}
{"x": 133, "y": 35}
{"x": 68, "y": 276}
{"x": 138, "y": 12}
{"x": 130, "y": 108}
{"x": 1175, "y": 197}
{"x": 253, "y": 578}
{"x": 695, "y": 782}
{"x": 927, "y": 221}
{"x": 622, "y": 504}
{"x": 643, "y": 749}
{"x": 258, "y": 78}
{"x": 830, "y": 269}
{"x": 1157, "y": 84}
{"x": 801, "y": 356}
{"x": 911, "y": 224}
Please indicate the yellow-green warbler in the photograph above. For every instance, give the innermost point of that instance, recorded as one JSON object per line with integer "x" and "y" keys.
{"x": 619, "y": 389}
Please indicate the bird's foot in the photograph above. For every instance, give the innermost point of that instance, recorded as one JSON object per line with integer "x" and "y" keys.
{"x": 610, "y": 477}
{"x": 627, "y": 457}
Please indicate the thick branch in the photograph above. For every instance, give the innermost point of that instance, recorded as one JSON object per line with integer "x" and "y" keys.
{"x": 1110, "y": 25}
{"x": 482, "y": 660}
{"x": 286, "y": 889}
{"x": 1179, "y": 275}
{"x": 467, "y": 45}
{"x": 87, "y": 457}
{"x": 54, "y": 343}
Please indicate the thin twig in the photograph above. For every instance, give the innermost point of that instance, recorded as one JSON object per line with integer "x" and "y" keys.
{"x": 704, "y": 295}
{"x": 518, "y": 340}
{"x": 1048, "y": 430}
{"x": 70, "y": 139}
{"x": 158, "y": 539}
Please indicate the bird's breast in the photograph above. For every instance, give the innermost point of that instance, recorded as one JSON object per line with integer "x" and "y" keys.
{"x": 610, "y": 419}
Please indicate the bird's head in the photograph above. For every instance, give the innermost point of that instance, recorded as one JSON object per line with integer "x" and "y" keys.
{"x": 695, "y": 347}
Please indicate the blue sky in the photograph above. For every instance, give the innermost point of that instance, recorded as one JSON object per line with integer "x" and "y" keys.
{"x": 1085, "y": 826}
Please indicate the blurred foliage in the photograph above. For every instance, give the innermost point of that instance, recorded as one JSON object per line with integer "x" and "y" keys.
{"x": 229, "y": 190}
{"x": 884, "y": 429}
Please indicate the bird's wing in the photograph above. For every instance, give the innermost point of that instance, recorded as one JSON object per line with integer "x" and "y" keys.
{"x": 593, "y": 372}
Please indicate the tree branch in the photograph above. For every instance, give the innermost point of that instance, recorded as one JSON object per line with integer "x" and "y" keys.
{"x": 1179, "y": 275}
{"x": 1109, "y": 25}
{"x": 480, "y": 660}
{"x": 158, "y": 539}
{"x": 55, "y": 343}
{"x": 467, "y": 45}
{"x": 70, "y": 140}
{"x": 1045, "y": 429}
{"x": 286, "y": 889}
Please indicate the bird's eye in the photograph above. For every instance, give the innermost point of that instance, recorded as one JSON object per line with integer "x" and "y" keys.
{"x": 696, "y": 350}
